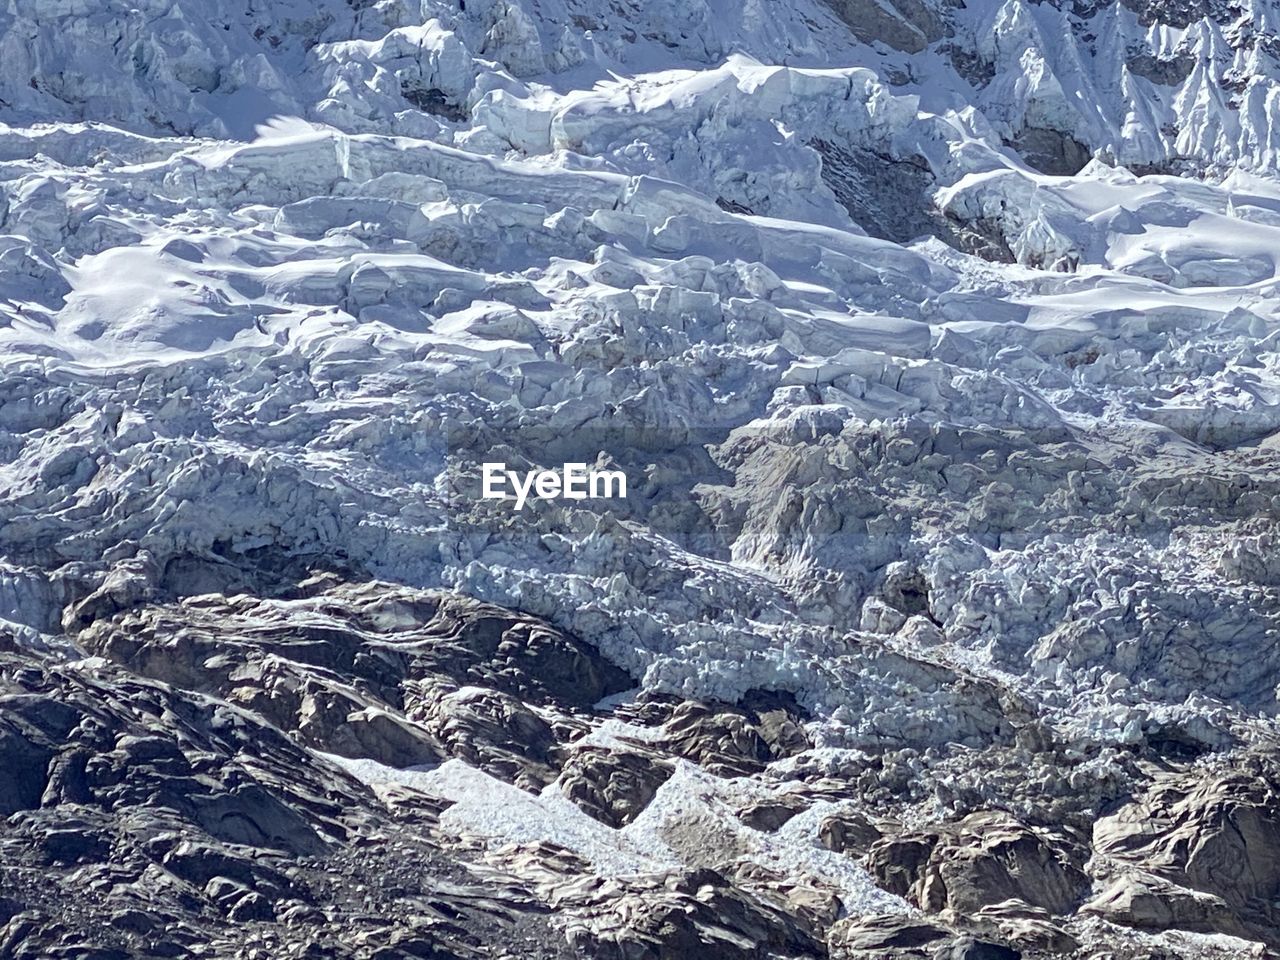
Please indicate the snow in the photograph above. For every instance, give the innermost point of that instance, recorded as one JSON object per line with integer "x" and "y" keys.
{"x": 691, "y": 810}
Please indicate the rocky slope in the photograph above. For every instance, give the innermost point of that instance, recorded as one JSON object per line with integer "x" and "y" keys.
{"x": 937, "y": 343}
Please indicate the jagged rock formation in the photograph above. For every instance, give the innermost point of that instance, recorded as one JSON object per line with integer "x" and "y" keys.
{"x": 1204, "y": 851}
{"x": 147, "y": 821}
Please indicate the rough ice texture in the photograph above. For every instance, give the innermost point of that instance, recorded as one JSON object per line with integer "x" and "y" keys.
{"x": 939, "y": 346}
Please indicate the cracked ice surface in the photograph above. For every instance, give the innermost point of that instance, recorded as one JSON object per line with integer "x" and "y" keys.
{"x": 216, "y": 349}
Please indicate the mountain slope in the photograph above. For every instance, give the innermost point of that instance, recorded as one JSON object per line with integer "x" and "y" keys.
{"x": 936, "y": 343}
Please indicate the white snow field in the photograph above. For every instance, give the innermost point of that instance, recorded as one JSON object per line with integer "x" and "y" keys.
{"x": 939, "y": 345}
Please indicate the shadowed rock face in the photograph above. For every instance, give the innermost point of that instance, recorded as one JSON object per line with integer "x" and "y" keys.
{"x": 150, "y": 821}
{"x": 848, "y": 832}
{"x": 1178, "y": 13}
{"x": 195, "y": 789}
{"x": 204, "y": 791}
{"x": 901, "y": 938}
{"x": 1203, "y": 853}
{"x": 731, "y": 740}
{"x": 613, "y": 786}
{"x": 209, "y": 817}
{"x": 1052, "y": 151}
{"x": 982, "y": 860}
{"x": 375, "y": 671}
{"x": 887, "y": 196}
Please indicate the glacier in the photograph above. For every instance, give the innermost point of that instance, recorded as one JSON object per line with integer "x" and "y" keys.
{"x": 938, "y": 344}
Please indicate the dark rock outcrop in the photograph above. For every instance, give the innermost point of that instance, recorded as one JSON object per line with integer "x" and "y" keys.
{"x": 154, "y": 822}
{"x": 848, "y": 832}
{"x": 374, "y": 671}
{"x": 614, "y": 785}
{"x": 908, "y": 25}
{"x": 1208, "y": 851}
{"x": 986, "y": 859}
{"x": 736, "y": 739}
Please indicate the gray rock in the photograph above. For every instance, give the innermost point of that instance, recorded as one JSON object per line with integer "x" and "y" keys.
{"x": 769, "y": 815}
{"x": 736, "y": 739}
{"x": 848, "y": 831}
{"x": 908, "y": 25}
{"x": 173, "y": 824}
{"x": 887, "y": 937}
{"x": 985, "y": 859}
{"x": 967, "y": 948}
{"x": 698, "y": 914}
{"x": 490, "y": 730}
{"x": 1052, "y": 151}
{"x": 614, "y": 785}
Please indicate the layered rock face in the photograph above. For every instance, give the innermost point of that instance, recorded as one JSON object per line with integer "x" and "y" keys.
{"x": 936, "y": 344}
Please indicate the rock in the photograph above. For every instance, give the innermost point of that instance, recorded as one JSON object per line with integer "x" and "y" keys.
{"x": 887, "y": 937}
{"x": 66, "y": 779}
{"x": 402, "y": 648}
{"x": 895, "y": 937}
{"x": 201, "y": 818}
{"x": 340, "y": 723}
{"x": 907, "y": 25}
{"x": 252, "y": 906}
{"x": 906, "y": 590}
{"x": 133, "y": 921}
{"x": 1218, "y": 835}
{"x": 252, "y": 815}
{"x": 490, "y": 730}
{"x": 848, "y": 831}
{"x": 478, "y": 643}
{"x": 613, "y": 785}
{"x": 696, "y": 914}
{"x": 74, "y": 844}
{"x": 985, "y": 859}
{"x": 204, "y": 863}
{"x": 1151, "y": 903}
{"x": 731, "y": 740}
{"x": 967, "y": 948}
{"x": 27, "y": 761}
{"x": 1052, "y": 151}
{"x": 1017, "y": 924}
{"x": 769, "y": 815}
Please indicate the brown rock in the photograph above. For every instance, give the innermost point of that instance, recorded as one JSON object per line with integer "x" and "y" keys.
{"x": 848, "y": 831}
{"x": 985, "y": 859}
{"x": 1216, "y": 835}
{"x": 733, "y": 740}
{"x": 769, "y": 815}
{"x": 611, "y": 784}
{"x": 1151, "y": 903}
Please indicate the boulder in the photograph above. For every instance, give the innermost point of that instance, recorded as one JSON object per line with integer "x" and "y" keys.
{"x": 1147, "y": 902}
{"x": 770, "y": 814}
{"x": 736, "y": 739}
{"x": 848, "y": 831}
{"x": 491, "y": 730}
